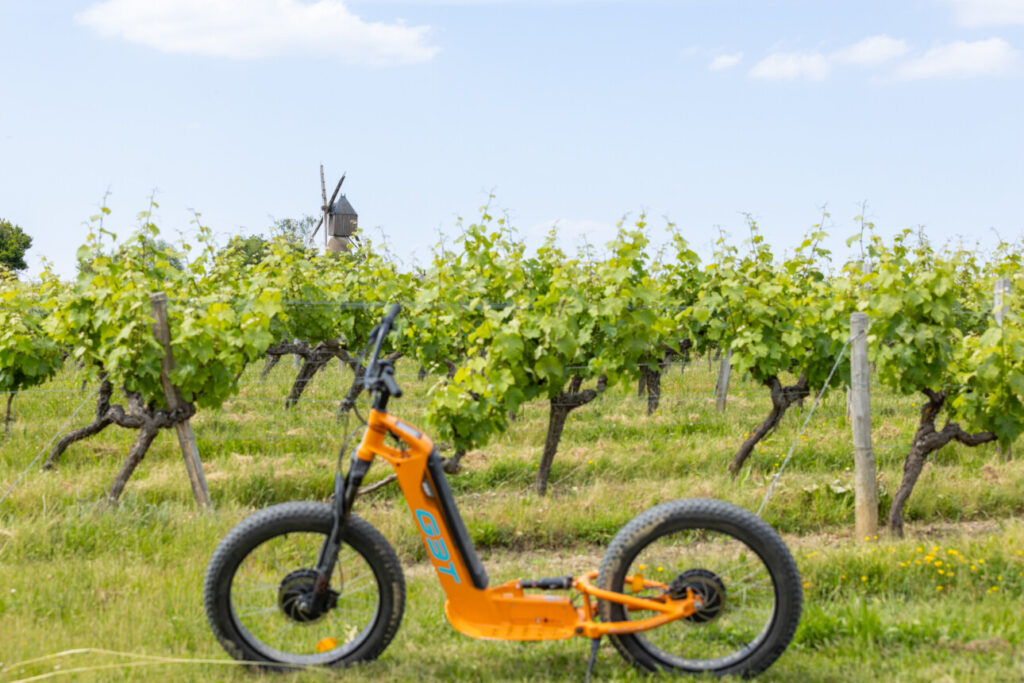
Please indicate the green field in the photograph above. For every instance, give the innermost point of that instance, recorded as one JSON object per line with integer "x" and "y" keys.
{"x": 942, "y": 604}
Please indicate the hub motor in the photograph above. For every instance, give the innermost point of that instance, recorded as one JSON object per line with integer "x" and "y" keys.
{"x": 296, "y": 596}
{"x": 705, "y": 585}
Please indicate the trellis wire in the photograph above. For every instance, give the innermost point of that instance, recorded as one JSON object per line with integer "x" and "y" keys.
{"x": 789, "y": 455}
{"x": 47, "y": 446}
{"x": 962, "y": 313}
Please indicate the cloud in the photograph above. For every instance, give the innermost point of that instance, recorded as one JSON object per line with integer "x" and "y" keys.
{"x": 253, "y": 29}
{"x": 790, "y": 66}
{"x": 871, "y": 51}
{"x": 960, "y": 59}
{"x": 975, "y": 13}
{"x": 814, "y": 66}
{"x": 722, "y": 62}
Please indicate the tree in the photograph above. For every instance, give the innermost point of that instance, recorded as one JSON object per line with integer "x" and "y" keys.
{"x": 27, "y": 355}
{"x": 679, "y": 283}
{"x": 572, "y": 323}
{"x": 931, "y": 334}
{"x": 453, "y": 297}
{"x": 296, "y": 230}
{"x": 250, "y": 250}
{"x": 778, "y": 319}
{"x": 220, "y": 321}
{"x": 13, "y": 245}
{"x": 484, "y": 270}
{"x": 331, "y": 304}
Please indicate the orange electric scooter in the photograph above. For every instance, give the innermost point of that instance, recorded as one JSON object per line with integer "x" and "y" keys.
{"x": 693, "y": 585}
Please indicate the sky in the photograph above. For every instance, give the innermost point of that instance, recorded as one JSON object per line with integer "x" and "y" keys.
{"x": 575, "y": 112}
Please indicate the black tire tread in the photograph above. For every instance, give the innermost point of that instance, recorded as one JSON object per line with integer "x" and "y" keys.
{"x": 757, "y": 533}
{"x": 306, "y": 516}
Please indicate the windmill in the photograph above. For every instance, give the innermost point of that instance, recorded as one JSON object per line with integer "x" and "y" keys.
{"x": 341, "y": 219}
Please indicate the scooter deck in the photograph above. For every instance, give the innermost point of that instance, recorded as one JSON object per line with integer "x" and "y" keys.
{"x": 505, "y": 612}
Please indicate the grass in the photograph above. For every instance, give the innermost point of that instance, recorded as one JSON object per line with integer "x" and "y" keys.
{"x": 130, "y": 579}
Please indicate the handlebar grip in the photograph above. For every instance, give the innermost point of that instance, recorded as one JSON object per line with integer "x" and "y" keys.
{"x": 389, "y": 381}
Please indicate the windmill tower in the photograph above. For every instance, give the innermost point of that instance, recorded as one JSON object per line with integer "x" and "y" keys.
{"x": 342, "y": 222}
{"x": 340, "y": 219}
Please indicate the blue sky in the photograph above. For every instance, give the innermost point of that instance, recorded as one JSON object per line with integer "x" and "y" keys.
{"x": 572, "y": 111}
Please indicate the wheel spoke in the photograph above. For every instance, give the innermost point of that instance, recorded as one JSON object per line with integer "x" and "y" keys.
{"x": 259, "y": 610}
{"x": 263, "y": 613}
{"x": 706, "y": 547}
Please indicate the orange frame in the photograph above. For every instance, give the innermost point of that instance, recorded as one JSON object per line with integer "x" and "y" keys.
{"x": 503, "y": 612}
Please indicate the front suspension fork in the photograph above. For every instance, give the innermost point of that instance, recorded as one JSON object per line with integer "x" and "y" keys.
{"x": 346, "y": 488}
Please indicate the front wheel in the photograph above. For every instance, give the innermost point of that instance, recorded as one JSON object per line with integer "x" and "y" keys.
{"x": 744, "y": 575}
{"x": 263, "y": 572}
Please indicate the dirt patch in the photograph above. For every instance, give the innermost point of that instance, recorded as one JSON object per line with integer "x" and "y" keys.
{"x": 991, "y": 474}
{"x": 931, "y": 531}
{"x": 976, "y": 527}
{"x": 472, "y": 461}
{"x": 240, "y": 418}
{"x": 983, "y": 645}
{"x": 100, "y": 450}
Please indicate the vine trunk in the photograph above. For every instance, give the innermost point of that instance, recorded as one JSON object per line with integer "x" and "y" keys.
{"x": 560, "y": 407}
{"x": 927, "y": 440}
{"x": 782, "y": 398}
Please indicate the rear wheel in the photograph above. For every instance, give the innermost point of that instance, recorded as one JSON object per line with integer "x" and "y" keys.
{"x": 733, "y": 561}
{"x": 262, "y": 577}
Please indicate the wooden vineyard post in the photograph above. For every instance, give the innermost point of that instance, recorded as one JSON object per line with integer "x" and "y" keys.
{"x": 865, "y": 482}
{"x": 722, "y": 385}
{"x": 865, "y": 267}
{"x": 186, "y": 437}
{"x": 1000, "y": 308}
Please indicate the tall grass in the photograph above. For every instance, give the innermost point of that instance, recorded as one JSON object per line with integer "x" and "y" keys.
{"x": 72, "y": 576}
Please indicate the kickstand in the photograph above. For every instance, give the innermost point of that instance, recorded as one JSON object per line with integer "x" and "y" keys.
{"x": 595, "y": 643}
